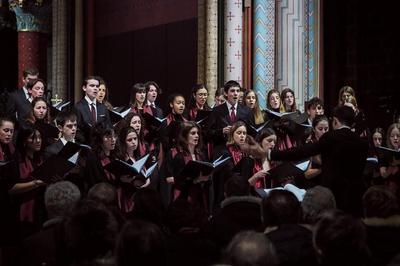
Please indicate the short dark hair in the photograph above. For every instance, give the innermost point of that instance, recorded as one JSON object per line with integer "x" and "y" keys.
{"x": 341, "y": 239}
{"x": 236, "y": 185}
{"x": 344, "y": 114}
{"x": 379, "y": 201}
{"x": 86, "y": 79}
{"x": 104, "y": 193}
{"x": 64, "y": 116}
{"x": 30, "y": 71}
{"x": 251, "y": 248}
{"x": 230, "y": 84}
{"x": 281, "y": 207}
{"x": 141, "y": 243}
{"x": 314, "y": 102}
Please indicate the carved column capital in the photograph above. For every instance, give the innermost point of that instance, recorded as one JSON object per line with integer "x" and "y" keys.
{"x": 32, "y": 16}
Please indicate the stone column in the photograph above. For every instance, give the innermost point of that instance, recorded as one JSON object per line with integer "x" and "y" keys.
{"x": 33, "y": 26}
{"x": 233, "y": 40}
{"x": 59, "y": 62}
{"x": 78, "y": 56}
{"x": 201, "y": 49}
{"x": 211, "y": 48}
{"x": 263, "y": 52}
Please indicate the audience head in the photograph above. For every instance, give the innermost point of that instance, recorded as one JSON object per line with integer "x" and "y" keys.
{"x": 281, "y": 207}
{"x": 249, "y": 248}
{"x": 176, "y": 103}
{"x": 231, "y": 91}
{"x": 104, "y": 193}
{"x": 90, "y": 232}
{"x": 343, "y": 116}
{"x": 236, "y": 185}
{"x": 141, "y": 243}
{"x": 314, "y": 107}
{"x": 315, "y": 201}
{"x": 152, "y": 90}
{"x": 380, "y": 202}
{"x": 148, "y": 206}
{"x": 182, "y": 215}
{"x": 340, "y": 239}
{"x": 67, "y": 124}
{"x": 393, "y": 136}
{"x": 90, "y": 86}
{"x": 29, "y": 74}
{"x": 36, "y": 88}
{"x": 61, "y": 198}
{"x": 378, "y": 136}
{"x": 288, "y": 99}
{"x": 6, "y": 130}
{"x": 238, "y": 133}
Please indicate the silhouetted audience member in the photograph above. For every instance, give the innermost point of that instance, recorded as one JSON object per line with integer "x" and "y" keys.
{"x": 249, "y": 248}
{"x": 382, "y": 220}
{"x": 47, "y": 246}
{"x": 148, "y": 206}
{"x": 107, "y": 194}
{"x": 141, "y": 243}
{"x": 90, "y": 234}
{"x": 340, "y": 239}
{"x": 282, "y": 218}
{"x": 187, "y": 243}
{"x": 315, "y": 201}
{"x": 239, "y": 211}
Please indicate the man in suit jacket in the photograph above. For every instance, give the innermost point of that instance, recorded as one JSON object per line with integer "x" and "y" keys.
{"x": 88, "y": 111}
{"x": 18, "y": 104}
{"x": 223, "y": 116}
{"x": 343, "y": 156}
{"x": 66, "y": 123}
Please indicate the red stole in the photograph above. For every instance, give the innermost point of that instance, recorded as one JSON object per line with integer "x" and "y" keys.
{"x": 236, "y": 153}
{"x": 26, "y": 210}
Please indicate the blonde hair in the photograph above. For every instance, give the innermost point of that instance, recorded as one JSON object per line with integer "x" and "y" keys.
{"x": 234, "y": 127}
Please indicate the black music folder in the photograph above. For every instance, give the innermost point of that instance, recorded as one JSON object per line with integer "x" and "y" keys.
{"x": 53, "y": 169}
{"x": 288, "y": 169}
{"x": 121, "y": 168}
{"x": 194, "y": 168}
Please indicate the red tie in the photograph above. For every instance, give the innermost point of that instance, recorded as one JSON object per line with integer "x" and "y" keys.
{"x": 233, "y": 115}
{"x": 93, "y": 112}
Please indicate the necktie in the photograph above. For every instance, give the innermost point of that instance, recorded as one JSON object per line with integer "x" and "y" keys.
{"x": 93, "y": 112}
{"x": 233, "y": 115}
